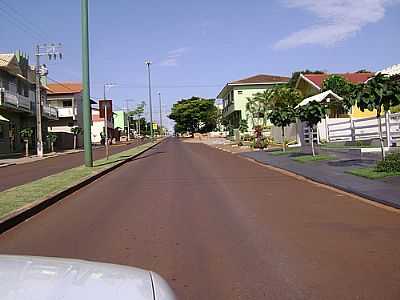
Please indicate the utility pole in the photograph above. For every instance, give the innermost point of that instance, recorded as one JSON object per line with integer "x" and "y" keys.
{"x": 87, "y": 110}
{"x": 161, "y": 128}
{"x": 127, "y": 120}
{"x": 52, "y": 51}
{"x": 148, "y": 63}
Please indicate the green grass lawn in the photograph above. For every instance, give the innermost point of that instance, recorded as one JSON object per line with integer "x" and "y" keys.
{"x": 372, "y": 173}
{"x": 20, "y": 196}
{"x": 281, "y": 153}
{"x": 310, "y": 158}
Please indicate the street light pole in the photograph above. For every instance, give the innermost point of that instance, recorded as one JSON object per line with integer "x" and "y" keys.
{"x": 161, "y": 128}
{"x": 148, "y": 63}
{"x": 87, "y": 114}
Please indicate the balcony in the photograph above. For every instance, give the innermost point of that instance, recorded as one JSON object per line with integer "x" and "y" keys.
{"x": 67, "y": 112}
{"x": 50, "y": 112}
{"x": 15, "y": 101}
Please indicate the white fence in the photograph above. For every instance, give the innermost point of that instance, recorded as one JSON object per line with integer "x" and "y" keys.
{"x": 348, "y": 129}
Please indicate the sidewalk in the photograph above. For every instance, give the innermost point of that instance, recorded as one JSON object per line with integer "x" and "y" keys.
{"x": 386, "y": 190}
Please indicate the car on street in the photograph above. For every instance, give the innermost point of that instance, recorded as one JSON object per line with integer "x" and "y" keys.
{"x": 45, "y": 278}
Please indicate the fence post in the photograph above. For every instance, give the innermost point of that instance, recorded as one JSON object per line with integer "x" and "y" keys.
{"x": 327, "y": 128}
{"x": 387, "y": 124}
{"x": 352, "y": 129}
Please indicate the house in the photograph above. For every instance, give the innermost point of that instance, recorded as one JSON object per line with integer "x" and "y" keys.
{"x": 98, "y": 126}
{"x": 235, "y": 96}
{"x": 18, "y": 103}
{"x": 311, "y": 84}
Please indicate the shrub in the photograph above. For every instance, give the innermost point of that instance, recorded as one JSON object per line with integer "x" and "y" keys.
{"x": 390, "y": 164}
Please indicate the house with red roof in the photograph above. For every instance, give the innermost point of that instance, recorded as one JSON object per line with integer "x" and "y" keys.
{"x": 311, "y": 84}
{"x": 235, "y": 96}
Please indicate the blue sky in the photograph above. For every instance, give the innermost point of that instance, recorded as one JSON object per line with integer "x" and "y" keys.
{"x": 198, "y": 46}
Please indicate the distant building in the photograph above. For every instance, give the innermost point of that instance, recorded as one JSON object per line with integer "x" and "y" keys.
{"x": 234, "y": 96}
{"x": 67, "y": 98}
{"x": 98, "y": 126}
{"x": 311, "y": 84}
{"x": 18, "y": 103}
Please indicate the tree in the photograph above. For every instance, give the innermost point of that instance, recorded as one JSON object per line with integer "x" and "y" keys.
{"x": 51, "y": 138}
{"x": 312, "y": 114}
{"x": 258, "y": 106}
{"x": 26, "y": 135}
{"x": 283, "y": 111}
{"x": 137, "y": 114}
{"x": 243, "y": 126}
{"x": 76, "y": 131}
{"x": 342, "y": 88}
{"x": 380, "y": 92}
{"x": 194, "y": 115}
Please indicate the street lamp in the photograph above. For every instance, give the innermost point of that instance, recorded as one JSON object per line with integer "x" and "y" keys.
{"x": 106, "y": 85}
{"x": 148, "y": 63}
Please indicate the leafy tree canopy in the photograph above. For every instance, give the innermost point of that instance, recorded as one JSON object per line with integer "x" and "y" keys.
{"x": 342, "y": 88}
{"x": 194, "y": 115}
{"x": 283, "y": 112}
{"x": 312, "y": 113}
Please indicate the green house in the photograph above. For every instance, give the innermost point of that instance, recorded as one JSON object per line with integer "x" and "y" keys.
{"x": 234, "y": 96}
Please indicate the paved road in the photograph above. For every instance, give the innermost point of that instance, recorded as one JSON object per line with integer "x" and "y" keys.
{"x": 218, "y": 226}
{"x": 20, "y": 174}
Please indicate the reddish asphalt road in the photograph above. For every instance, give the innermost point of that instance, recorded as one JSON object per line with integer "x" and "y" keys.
{"x": 20, "y": 174}
{"x": 217, "y": 226}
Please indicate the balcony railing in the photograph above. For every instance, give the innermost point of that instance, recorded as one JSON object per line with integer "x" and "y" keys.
{"x": 50, "y": 112}
{"x": 67, "y": 112}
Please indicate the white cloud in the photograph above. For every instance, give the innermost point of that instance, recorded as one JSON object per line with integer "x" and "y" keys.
{"x": 337, "y": 20}
{"x": 173, "y": 57}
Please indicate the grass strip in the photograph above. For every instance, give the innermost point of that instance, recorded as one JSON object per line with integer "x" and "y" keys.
{"x": 371, "y": 173}
{"x": 20, "y": 196}
{"x": 281, "y": 153}
{"x": 310, "y": 158}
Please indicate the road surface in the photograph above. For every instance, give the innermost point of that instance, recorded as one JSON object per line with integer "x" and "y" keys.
{"x": 23, "y": 173}
{"x": 217, "y": 226}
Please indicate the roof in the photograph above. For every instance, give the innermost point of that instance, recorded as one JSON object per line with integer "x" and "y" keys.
{"x": 64, "y": 88}
{"x": 391, "y": 71}
{"x": 261, "y": 79}
{"x": 318, "y": 79}
{"x": 5, "y": 59}
{"x": 320, "y": 98}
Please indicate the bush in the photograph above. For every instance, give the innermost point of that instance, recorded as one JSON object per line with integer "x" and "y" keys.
{"x": 390, "y": 164}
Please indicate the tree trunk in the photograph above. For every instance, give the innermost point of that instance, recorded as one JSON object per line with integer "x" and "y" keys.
{"x": 312, "y": 141}
{"x": 378, "y": 115}
{"x": 52, "y": 146}
{"x": 26, "y": 148}
{"x": 74, "y": 142}
{"x": 283, "y": 140}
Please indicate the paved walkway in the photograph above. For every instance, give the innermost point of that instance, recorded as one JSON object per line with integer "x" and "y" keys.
{"x": 385, "y": 190}
{"x": 22, "y": 173}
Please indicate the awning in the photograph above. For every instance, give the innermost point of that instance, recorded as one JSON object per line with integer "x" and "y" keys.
{"x": 3, "y": 119}
{"x": 323, "y": 97}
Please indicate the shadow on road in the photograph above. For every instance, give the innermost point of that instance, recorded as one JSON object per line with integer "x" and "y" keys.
{"x": 149, "y": 155}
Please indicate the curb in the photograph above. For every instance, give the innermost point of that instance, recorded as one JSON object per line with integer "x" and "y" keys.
{"x": 24, "y": 213}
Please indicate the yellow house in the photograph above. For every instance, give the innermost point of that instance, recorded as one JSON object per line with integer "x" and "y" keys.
{"x": 311, "y": 84}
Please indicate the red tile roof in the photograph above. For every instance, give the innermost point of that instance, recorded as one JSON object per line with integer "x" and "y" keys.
{"x": 318, "y": 79}
{"x": 261, "y": 78}
{"x": 64, "y": 88}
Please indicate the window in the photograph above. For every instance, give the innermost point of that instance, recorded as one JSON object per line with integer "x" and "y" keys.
{"x": 1, "y": 131}
{"x": 67, "y": 103}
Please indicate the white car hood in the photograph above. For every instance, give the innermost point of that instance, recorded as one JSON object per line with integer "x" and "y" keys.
{"x": 40, "y": 278}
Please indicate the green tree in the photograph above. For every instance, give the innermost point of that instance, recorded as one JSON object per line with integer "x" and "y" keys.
{"x": 51, "y": 139}
{"x": 137, "y": 114}
{"x": 283, "y": 111}
{"x": 243, "y": 126}
{"x": 258, "y": 106}
{"x": 342, "y": 88}
{"x": 194, "y": 115}
{"x": 380, "y": 93}
{"x": 312, "y": 114}
{"x": 26, "y": 135}
{"x": 76, "y": 131}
